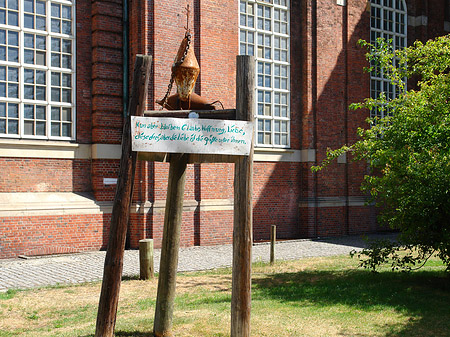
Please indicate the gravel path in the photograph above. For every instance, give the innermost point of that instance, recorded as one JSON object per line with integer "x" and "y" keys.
{"x": 86, "y": 267}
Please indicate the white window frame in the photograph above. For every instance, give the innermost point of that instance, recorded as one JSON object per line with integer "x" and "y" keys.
{"x": 67, "y": 109}
{"x": 272, "y": 117}
{"x": 380, "y": 21}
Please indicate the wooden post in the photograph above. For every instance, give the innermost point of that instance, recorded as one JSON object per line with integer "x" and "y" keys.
{"x": 273, "y": 240}
{"x": 112, "y": 274}
{"x": 146, "y": 267}
{"x": 170, "y": 246}
{"x": 243, "y": 189}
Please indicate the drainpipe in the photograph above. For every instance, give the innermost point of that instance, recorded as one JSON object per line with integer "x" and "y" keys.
{"x": 125, "y": 80}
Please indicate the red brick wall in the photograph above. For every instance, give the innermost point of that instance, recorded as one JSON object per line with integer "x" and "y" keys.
{"x": 38, "y": 235}
{"x": 107, "y": 109}
{"x": 84, "y": 71}
{"x": 276, "y": 190}
{"x": 44, "y": 175}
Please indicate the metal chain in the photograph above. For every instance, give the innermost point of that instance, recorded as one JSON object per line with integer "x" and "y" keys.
{"x": 172, "y": 78}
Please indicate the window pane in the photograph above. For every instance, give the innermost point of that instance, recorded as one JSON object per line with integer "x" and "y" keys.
{"x": 13, "y": 19}
{"x": 40, "y": 77}
{"x": 28, "y": 21}
{"x": 40, "y": 23}
{"x": 66, "y": 114}
{"x": 55, "y": 60}
{"x": 40, "y": 58}
{"x": 56, "y": 26}
{"x": 13, "y": 127}
{"x": 28, "y": 56}
{"x": 55, "y": 129}
{"x": 13, "y": 4}
{"x": 55, "y": 114}
{"x": 67, "y": 46}
{"x": 56, "y": 44}
{"x": 66, "y": 130}
{"x": 13, "y": 38}
{"x": 2, "y": 109}
{"x": 28, "y": 76}
{"x": 56, "y": 79}
{"x": 13, "y": 90}
{"x": 28, "y": 111}
{"x": 40, "y": 7}
{"x": 13, "y": 55}
{"x": 66, "y": 61}
{"x": 40, "y": 93}
{"x": 28, "y": 92}
{"x": 28, "y": 40}
{"x": 13, "y": 74}
{"x": 56, "y": 10}
{"x": 40, "y": 112}
{"x": 40, "y": 128}
{"x": 13, "y": 110}
{"x": 40, "y": 42}
{"x": 67, "y": 27}
{"x": 66, "y": 12}
{"x": 56, "y": 96}
{"x": 67, "y": 95}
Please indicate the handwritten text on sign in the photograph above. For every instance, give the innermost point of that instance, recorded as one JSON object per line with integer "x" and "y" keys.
{"x": 180, "y": 135}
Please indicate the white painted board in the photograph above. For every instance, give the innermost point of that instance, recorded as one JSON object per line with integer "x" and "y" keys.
{"x": 182, "y": 135}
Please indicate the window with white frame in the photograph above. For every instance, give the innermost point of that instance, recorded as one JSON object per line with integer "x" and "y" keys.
{"x": 388, "y": 20}
{"x": 264, "y": 33}
{"x": 37, "y": 77}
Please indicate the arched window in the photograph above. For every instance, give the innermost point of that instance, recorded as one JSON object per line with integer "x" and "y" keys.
{"x": 264, "y": 33}
{"x": 37, "y": 69}
{"x": 388, "y": 19}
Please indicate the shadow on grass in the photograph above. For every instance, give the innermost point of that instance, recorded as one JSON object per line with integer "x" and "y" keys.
{"x": 422, "y": 295}
{"x": 128, "y": 334}
{"x": 133, "y": 334}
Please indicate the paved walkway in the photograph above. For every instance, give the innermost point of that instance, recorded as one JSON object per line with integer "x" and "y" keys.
{"x": 86, "y": 267}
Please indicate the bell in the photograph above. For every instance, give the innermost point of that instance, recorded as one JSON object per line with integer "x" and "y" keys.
{"x": 195, "y": 102}
{"x": 185, "y": 69}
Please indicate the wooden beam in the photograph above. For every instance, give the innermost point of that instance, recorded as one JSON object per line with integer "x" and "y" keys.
{"x": 112, "y": 274}
{"x": 153, "y": 156}
{"x": 229, "y": 114}
{"x": 243, "y": 189}
{"x": 212, "y": 158}
{"x": 194, "y": 158}
{"x": 170, "y": 246}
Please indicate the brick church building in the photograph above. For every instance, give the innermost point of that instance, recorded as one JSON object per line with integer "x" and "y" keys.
{"x": 64, "y": 86}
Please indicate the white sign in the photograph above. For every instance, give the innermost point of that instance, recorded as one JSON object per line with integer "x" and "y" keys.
{"x": 181, "y": 135}
{"x": 109, "y": 181}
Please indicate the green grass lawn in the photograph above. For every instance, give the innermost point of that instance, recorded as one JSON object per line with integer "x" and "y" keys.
{"x": 307, "y": 297}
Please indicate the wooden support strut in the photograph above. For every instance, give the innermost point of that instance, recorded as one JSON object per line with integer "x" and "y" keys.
{"x": 243, "y": 188}
{"x": 229, "y": 114}
{"x": 170, "y": 246}
{"x": 112, "y": 274}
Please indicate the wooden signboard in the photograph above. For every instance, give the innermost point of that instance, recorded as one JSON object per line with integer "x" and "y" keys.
{"x": 191, "y": 135}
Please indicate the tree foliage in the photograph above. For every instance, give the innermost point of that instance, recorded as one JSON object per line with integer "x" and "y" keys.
{"x": 408, "y": 153}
